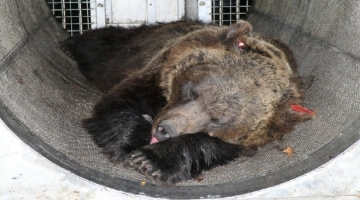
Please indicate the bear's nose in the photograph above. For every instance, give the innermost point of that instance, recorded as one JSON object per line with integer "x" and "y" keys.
{"x": 165, "y": 130}
{"x": 161, "y": 134}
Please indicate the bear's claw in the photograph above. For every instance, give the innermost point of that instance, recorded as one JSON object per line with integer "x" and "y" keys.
{"x": 140, "y": 161}
{"x": 146, "y": 161}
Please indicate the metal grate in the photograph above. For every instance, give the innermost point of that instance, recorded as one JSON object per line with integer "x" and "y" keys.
{"x": 74, "y": 15}
{"x": 226, "y": 12}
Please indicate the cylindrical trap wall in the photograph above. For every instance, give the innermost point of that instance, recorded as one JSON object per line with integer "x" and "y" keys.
{"x": 43, "y": 97}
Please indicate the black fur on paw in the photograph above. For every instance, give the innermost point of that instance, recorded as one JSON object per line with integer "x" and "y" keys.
{"x": 183, "y": 157}
{"x": 119, "y": 133}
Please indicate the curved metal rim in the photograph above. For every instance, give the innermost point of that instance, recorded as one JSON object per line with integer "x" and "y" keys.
{"x": 344, "y": 140}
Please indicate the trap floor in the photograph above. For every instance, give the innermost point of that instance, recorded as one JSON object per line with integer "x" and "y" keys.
{"x": 27, "y": 175}
{"x": 43, "y": 97}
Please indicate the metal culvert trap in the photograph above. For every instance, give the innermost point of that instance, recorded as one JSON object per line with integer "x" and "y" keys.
{"x": 43, "y": 97}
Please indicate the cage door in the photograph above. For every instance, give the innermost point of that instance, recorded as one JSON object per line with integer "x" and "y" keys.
{"x": 135, "y": 12}
{"x": 223, "y": 12}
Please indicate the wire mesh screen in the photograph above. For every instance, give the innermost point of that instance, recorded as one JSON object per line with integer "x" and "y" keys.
{"x": 226, "y": 12}
{"x": 74, "y": 15}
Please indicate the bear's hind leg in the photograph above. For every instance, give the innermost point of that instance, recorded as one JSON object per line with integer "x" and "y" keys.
{"x": 182, "y": 158}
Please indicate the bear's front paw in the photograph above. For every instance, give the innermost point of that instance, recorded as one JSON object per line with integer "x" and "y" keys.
{"x": 158, "y": 168}
{"x": 119, "y": 133}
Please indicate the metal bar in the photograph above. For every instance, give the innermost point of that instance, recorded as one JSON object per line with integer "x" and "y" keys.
{"x": 80, "y": 17}
{"x": 213, "y": 10}
{"x": 230, "y": 9}
{"x": 71, "y": 20}
{"x": 220, "y": 12}
{"x": 237, "y": 10}
{"x": 63, "y": 21}
{"x": 88, "y": 15}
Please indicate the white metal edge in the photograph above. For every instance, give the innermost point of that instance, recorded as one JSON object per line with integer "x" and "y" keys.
{"x": 181, "y": 9}
{"x": 93, "y": 14}
{"x": 99, "y": 8}
{"x": 204, "y": 10}
{"x": 108, "y": 12}
{"x": 151, "y": 11}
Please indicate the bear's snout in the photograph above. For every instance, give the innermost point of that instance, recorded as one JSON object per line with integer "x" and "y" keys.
{"x": 184, "y": 119}
{"x": 170, "y": 128}
{"x": 165, "y": 130}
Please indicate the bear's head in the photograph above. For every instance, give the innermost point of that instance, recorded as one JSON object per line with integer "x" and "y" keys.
{"x": 224, "y": 81}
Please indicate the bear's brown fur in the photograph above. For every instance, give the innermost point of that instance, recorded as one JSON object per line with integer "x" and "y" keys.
{"x": 212, "y": 91}
{"x": 262, "y": 77}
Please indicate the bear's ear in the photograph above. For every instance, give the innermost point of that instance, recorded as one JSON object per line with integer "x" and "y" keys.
{"x": 236, "y": 31}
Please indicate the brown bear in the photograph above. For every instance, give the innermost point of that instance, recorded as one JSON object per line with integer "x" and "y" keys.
{"x": 202, "y": 95}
